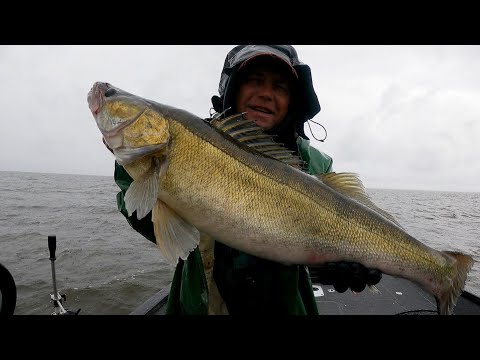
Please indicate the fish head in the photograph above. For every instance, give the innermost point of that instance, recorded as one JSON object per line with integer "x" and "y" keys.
{"x": 128, "y": 123}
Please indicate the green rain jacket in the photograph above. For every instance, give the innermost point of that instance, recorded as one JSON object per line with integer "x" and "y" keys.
{"x": 248, "y": 285}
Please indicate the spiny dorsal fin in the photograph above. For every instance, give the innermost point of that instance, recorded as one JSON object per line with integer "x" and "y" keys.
{"x": 350, "y": 185}
{"x": 252, "y": 135}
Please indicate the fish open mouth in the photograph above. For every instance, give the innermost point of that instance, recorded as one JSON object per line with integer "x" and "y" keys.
{"x": 95, "y": 96}
{"x": 93, "y": 102}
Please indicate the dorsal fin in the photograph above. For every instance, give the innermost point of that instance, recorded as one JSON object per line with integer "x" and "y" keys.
{"x": 252, "y": 135}
{"x": 350, "y": 185}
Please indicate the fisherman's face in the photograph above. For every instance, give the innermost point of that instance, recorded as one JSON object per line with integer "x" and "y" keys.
{"x": 264, "y": 94}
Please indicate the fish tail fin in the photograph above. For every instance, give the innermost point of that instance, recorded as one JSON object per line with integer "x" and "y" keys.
{"x": 447, "y": 299}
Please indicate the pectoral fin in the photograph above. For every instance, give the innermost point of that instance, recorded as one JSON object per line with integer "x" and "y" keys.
{"x": 175, "y": 237}
{"x": 142, "y": 193}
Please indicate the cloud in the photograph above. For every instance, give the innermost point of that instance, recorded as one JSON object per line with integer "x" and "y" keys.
{"x": 400, "y": 116}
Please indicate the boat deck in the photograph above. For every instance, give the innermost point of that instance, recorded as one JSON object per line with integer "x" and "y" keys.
{"x": 395, "y": 296}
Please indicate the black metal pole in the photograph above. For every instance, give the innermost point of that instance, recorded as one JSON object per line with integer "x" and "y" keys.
{"x": 52, "y": 246}
{"x": 56, "y": 297}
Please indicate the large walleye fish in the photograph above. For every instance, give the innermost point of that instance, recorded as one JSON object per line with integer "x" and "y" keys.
{"x": 227, "y": 179}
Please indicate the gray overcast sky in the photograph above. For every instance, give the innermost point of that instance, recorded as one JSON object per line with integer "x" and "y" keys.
{"x": 402, "y": 117}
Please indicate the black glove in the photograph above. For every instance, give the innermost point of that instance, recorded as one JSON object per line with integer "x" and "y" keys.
{"x": 343, "y": 275}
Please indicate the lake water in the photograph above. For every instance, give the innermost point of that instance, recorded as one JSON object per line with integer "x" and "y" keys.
{"x": 104, "y": 267}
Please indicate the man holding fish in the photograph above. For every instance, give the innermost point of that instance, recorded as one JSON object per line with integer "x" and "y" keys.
{"x": 243, "y": 206}
{"x": 272, "y": 87}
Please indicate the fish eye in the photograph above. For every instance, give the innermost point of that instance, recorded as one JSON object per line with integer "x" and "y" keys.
{"x": 110, "y": 92}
